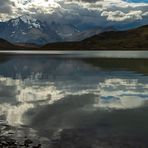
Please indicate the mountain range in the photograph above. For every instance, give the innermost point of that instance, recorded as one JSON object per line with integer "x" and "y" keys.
{"x": 26, "y": 29}
{"x": 134, "y": 39}
{"x": 30, "y": 33}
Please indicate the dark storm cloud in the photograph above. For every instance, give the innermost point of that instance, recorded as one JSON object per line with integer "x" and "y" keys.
{"x": 6, "y": 6}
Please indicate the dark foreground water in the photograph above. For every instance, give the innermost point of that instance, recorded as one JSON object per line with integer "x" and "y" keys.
{"x": 74, "y": 102}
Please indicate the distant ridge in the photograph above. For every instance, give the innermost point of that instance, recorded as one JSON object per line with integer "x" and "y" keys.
{"x": 27, "y": 29}
{"x": 135, "y": 39}
{"x": 5, "y": 44}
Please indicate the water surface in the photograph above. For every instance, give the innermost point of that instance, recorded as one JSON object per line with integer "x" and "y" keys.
{"x": 80, "y": 54}
{"x": 75, "y": 101}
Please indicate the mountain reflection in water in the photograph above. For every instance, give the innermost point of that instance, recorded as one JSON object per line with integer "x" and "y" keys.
{"x": 70, "y": 102}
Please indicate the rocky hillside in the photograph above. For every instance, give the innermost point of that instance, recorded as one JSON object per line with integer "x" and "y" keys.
{"x": 5, "y": 45}
{"x": 135, "y": 39}
{"x": 26, "y": 29}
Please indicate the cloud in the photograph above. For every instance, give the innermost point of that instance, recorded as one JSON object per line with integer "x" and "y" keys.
{"x": 5, "y": 6}
{"x": 121, "y": 16}
{"x": 96, "y": 12}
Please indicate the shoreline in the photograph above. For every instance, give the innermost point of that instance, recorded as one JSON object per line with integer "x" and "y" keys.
{"x": 81, "y": 54}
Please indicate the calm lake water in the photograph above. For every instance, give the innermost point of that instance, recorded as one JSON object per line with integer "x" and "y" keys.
{"x": 84, "y": 54}
{"x": 74, "y": 101}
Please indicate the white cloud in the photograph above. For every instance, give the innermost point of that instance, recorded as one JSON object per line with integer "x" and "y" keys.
{"x": 121, "y": 16}
{"x": 145, "y": 14}
{"x": 95, "y": 12}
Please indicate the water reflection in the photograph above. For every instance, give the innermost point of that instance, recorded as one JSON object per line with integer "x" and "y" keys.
{"x": 50, "y": 95}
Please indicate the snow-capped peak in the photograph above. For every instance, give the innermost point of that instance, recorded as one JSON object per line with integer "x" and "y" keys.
{"x": 27, "y": 19}
{"x": 15, "y": 22}
{"x": 32, "y": 22}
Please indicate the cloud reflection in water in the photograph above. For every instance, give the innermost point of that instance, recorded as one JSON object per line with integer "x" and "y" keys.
{"x": 66, "y": 93}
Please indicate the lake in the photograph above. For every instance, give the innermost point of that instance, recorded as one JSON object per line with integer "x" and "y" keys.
{"x": 86, "y": 54}
{"x": 75, "y": 100}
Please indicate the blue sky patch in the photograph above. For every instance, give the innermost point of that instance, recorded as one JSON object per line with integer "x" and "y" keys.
{"x": 138, "y": 1}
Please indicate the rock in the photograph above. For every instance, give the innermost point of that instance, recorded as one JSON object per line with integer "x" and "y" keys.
{"x": 27, "y": 142}
{"x": 38, "y": 146}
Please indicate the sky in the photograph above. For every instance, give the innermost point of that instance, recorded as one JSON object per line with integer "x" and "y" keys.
{"x": 70, "y": 11}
